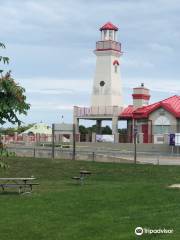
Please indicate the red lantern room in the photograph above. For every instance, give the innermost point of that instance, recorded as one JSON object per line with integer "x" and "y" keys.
{"x": 108, "y": 38}
{"x": 108, "y": 32}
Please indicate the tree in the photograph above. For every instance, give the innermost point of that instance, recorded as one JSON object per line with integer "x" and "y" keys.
{"x": 12, "y": 100}
{"x": 3, "y": 59}
{"x": 82, "y": 129}
{"x": 104, "y": 130}
{"x": 12, "y": 97}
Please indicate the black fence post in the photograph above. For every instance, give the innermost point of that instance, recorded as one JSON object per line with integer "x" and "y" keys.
{"x": 74, "y": 142}
{"x": 93, "y": 156}
{"x": 135, "y": 144}
{"x": 53, "y": 141}
{"x": 34, "y": 152}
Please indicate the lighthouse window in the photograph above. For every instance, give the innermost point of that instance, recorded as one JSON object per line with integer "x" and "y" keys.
{"x": 102, "y": 83}
{"x": 115, "y": 68}
{"x": 110, "y": 34}
{"x": 105, "y": 34}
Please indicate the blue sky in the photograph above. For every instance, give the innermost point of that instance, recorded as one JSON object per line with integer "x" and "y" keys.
{"x": 51, "y": 42}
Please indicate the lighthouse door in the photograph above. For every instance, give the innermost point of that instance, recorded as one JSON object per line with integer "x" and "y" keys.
{"x": 145, "y": 133}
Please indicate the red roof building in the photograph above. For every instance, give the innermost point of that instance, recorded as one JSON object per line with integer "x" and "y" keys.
{"x": 155, "y": 122}
{"x": 172, "y": 105}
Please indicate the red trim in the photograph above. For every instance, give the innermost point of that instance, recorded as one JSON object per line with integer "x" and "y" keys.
{"x": 105, "y": 49}
{"x": 109, "y": 26}
{"x": 109, "y": 41}
{"x": 141, "y": 88}
{"x": 115, "y": 62}
{"x": 141, "y": 96}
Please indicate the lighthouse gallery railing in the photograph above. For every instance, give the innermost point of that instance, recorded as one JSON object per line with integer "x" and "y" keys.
{"x": 100, "y": 110}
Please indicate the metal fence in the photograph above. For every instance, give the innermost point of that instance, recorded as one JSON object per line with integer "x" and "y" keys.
{"x": 99, "y": 155}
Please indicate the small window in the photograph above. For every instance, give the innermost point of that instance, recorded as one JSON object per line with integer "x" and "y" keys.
{"x": 161, "y": 129}
{"x": 115, "y": 64}
{"x": 115, "y": 68}
{"x": 102, "y": 83}
{"x": 105, "y": 34}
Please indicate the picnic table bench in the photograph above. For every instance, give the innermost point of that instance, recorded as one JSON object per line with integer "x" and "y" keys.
{"x": 83, "y": 174}
{"x": 24, "y": 185}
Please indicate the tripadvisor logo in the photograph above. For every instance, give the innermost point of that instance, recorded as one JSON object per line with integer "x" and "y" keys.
{"x": 140, "y": 231}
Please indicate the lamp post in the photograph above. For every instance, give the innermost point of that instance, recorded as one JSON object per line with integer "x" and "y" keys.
{"x": 135, "y": 143}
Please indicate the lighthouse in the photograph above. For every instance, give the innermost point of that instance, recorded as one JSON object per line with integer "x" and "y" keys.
{"x": 107, "y": 85}
{"x": 106, "y": 96}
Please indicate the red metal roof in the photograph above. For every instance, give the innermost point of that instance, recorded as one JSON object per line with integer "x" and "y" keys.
{"x": 171, "y": 104}
{"x": 127, "y": 112}
{"x": 109, "y": 26}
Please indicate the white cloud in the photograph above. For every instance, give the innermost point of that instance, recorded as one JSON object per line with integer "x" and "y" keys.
{"x": 160, "y": 48}
{"x": 56, "y": 86}
{"x": 158, "y": 85}
{"x": 136, "y": 63}
{"x": 52, "y": 38}
{"x": 73, "y": 90}
{"x": 50, "y": 106}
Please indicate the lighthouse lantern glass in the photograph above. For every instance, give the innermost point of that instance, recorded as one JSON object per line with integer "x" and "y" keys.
{"x": 111, "y": 35}
{"x": 108, "y": 35}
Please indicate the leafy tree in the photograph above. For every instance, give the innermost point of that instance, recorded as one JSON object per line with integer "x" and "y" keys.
{"x": 2, "y": 58}
{"x": 104, "y": 130}
{"x": 12, "y": 97}
{"x": 83, "y": 129}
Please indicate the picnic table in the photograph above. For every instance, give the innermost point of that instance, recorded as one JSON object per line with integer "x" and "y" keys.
{"x": 24, "y": 184}
{"x": 83, "y": 174}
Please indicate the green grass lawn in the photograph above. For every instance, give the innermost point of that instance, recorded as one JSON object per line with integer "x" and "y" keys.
{"x": 112, "y": 202}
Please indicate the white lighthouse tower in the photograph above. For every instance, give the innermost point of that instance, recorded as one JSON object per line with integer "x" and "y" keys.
{"x": 106, "y": 98}
{"x": 107, "y": 86}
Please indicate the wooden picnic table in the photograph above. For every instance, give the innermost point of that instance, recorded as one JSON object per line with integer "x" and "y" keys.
{"x": 23, "y": 183}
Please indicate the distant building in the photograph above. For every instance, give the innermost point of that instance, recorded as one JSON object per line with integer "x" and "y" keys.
{"x": 38, "y": 128}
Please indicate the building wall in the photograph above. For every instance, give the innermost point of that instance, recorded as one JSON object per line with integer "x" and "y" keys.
{"x": 178, "y": 125}
{"x": 140, "y": 102}
{"x": 163, "y": 135}
{"x": 157, "y": 113}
